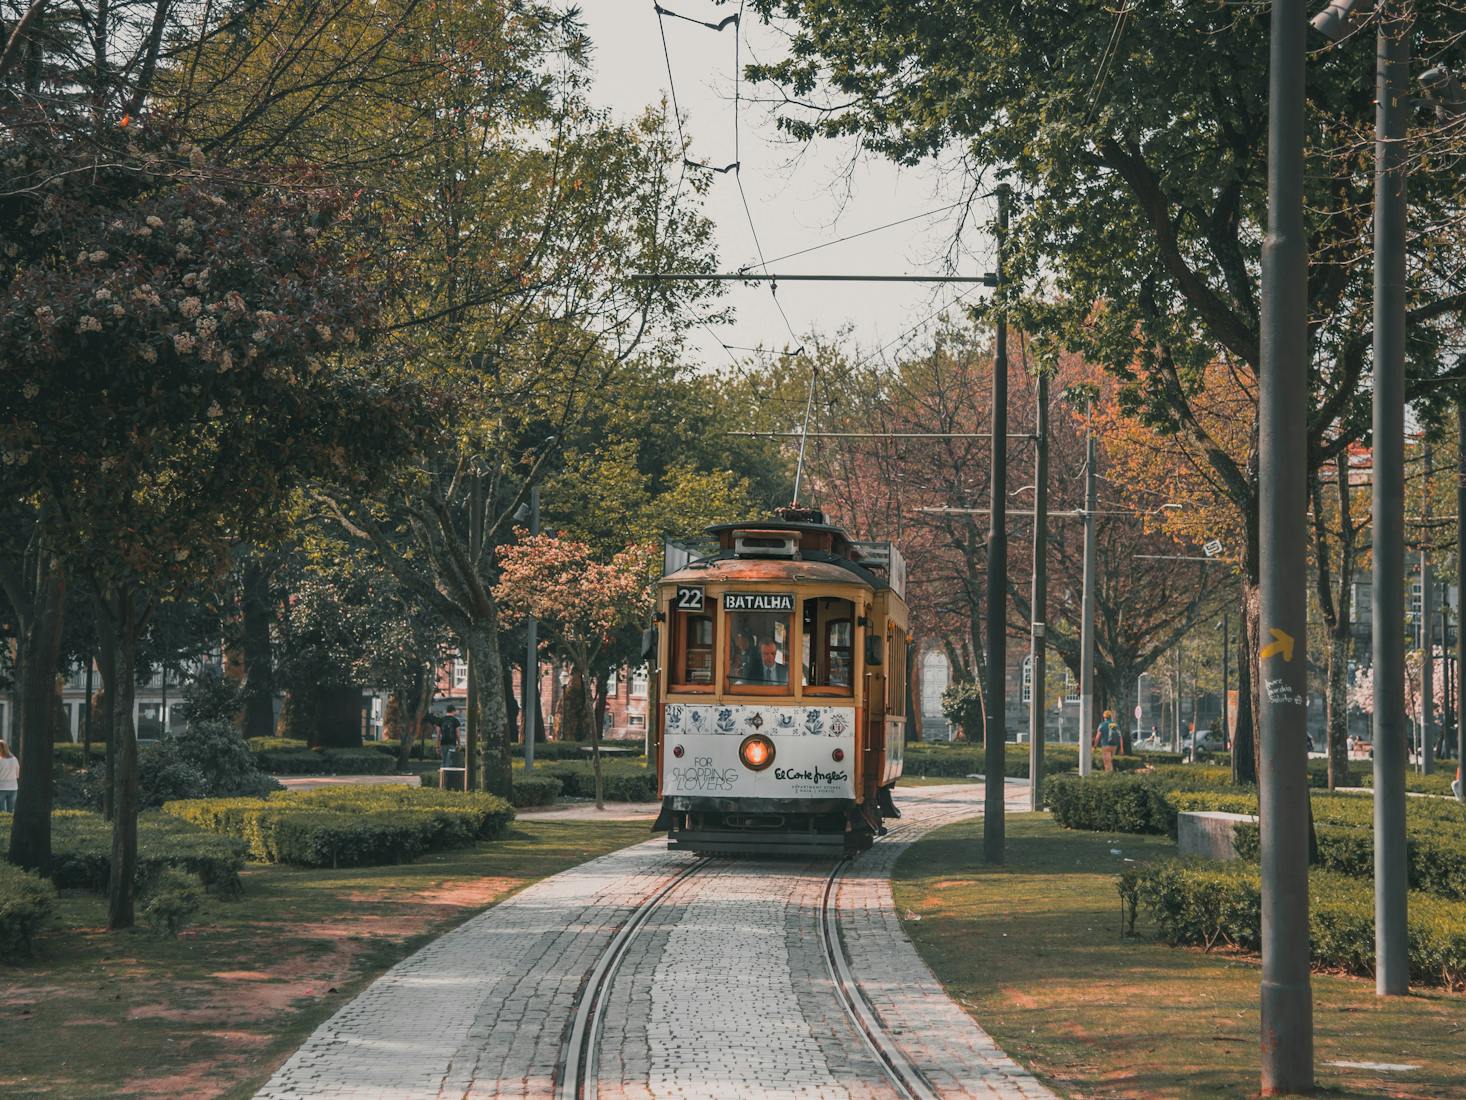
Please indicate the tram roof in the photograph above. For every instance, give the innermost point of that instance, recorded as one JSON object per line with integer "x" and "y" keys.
{"x": 809, "y": 569}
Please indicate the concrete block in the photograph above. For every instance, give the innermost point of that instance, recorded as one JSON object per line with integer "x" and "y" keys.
{"x": 1208, "y": 833}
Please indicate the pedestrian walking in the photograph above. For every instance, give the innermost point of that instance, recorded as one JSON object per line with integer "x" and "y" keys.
{"x": 448, "y": 727}
{"x": 9, "y": 778}
{"x": 1108, "y": 740}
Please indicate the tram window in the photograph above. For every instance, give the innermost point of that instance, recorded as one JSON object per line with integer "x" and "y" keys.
{"x": 694, "y": 658}
{"x": 828, "y": 644}
{"x": 758, "y": 650}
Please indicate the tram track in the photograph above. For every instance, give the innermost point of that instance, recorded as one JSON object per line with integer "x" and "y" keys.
{"x": 577, "y": 1076}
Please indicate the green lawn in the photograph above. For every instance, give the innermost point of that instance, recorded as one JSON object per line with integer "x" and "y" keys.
{"x": 1033, "y": 950}
{"x": 213, "y": 1012}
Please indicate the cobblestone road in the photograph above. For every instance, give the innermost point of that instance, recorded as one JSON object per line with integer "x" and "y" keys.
{"x": 724, "y": 992}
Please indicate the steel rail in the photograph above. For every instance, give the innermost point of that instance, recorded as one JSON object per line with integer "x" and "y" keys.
{"x": 578, "y": 1060}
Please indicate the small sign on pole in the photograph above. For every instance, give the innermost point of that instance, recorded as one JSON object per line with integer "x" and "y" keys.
{"x": 1137, "y": 712}
{"x": 1212, "y": 548}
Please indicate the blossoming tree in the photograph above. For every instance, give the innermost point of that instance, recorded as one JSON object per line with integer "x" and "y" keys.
{"x": 580, "y": 602}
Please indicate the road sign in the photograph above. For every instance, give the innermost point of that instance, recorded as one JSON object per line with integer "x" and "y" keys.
{"x": 1212, "y": 548}
{"x": 1137, "y": 712}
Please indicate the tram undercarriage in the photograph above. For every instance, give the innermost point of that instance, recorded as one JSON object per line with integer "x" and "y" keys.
{"x": 772, "y": 826}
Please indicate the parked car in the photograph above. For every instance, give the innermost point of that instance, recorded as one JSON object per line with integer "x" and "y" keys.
{"x": 1206, "y": 741}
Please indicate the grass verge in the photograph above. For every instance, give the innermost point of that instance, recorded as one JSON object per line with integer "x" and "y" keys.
{"x": 212, "y": 1013}
{"x": 1033, "y": 951}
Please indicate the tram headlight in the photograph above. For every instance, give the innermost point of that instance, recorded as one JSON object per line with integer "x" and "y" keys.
{"x": 756, "y": 752}
{"x": 838, "y": 755}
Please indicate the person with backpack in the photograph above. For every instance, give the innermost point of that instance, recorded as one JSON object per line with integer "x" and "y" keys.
{"x": 448, "y": 727}
{"x": 1108, "y": 740}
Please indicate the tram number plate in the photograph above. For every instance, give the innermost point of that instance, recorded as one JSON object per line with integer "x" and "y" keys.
{"x": 689, "y": 597}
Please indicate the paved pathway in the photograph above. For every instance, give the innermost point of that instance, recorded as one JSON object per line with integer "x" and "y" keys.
{"x": 723, "y": 994}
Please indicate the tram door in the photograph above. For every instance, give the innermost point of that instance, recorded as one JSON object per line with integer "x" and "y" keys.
{"x": 875, "y": 709}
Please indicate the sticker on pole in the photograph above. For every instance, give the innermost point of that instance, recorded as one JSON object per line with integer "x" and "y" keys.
{"x": 1212, "y": 548}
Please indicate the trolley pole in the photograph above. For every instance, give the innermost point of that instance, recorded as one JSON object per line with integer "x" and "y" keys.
{"x": 995, "y": 734}
{"x": 1086, "y": 618}
{"x": 1039, "y": 597}
{"x": 1392, "y": 973}
{"x": 1286, "y": 993}
{"x": 529, "y": 706}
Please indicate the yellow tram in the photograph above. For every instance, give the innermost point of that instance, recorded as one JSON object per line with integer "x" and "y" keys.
{"x": 781, "y": 682}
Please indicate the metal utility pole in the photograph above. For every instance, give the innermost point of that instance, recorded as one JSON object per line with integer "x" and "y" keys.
{"x": 1286, "y": 993}
{"x": 531, "y": 687}
{"x": 993, "y": 825}
{"x": 1427, "y": 632}
{"x": 1086, "y": 618}
{"x": 1392, "y": 972}
{"x": 1039, "y": 597}
{"x": 1461, "y": 588}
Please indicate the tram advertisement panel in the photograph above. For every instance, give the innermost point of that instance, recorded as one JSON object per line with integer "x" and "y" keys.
{"x": 806, "y": 743}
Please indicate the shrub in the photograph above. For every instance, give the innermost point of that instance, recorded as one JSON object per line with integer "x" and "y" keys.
{"x": 955, "y": 761}
{"x": 27, "y": 906}
{"x": 962, "y": 706}
{"x": 210, "y": 697}
{"x": 1209, "y": 904}
{"x": 541, "y": 790}
{"x": 171, "y": 900}
{"x": 580, "y": 750}
{"x": 161, "y": 777}
{"x": 1110, "y": 803}
{"x": 350, "y": 826}
{"x": 81, "y": 851}
{"x": 216, "y": 749}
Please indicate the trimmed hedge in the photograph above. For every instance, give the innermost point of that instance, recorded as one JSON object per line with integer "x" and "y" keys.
{"x": 350, "y": 826}
{"x": 956, "y": 761}
{"x": 539, "y": 790}
{"x": 326, "y": 762}
{"x": 580, "y": 750}
{"x": 1436, "y": 864}
{"x": 81, "y": 851}
{"x": 624, "y": 781}
{"x": 1135, "y": 803}
{"x": 276, "y": 744}
{"x": 1206, "y": 905}
{"x": 27, "y": 906}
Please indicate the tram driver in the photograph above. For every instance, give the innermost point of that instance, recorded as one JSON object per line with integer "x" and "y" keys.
{"x": 758, "y": 655}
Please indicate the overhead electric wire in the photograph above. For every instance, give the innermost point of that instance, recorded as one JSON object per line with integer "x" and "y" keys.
{"x": 862, "y": 233}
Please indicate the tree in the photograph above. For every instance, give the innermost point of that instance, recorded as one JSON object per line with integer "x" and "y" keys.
{"x": 1142, "y": 217}
{"x": 180, "y": 353}
{"x": 579, "y": 601}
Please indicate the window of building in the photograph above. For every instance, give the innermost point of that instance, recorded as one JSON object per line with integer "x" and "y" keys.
{"x": 613, "y": 683}
{"x": 460, "y": 675}
{"x": 1071, "y": 688}
{"x": 636, "y": 721}
{"x": 758, "y": 650}
{"x": 827, "y": 644}
{"x": 638, "y": 682}
{"x": 1028, "y": 678}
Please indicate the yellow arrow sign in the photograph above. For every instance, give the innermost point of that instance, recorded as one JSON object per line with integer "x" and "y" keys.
{"x": 1282, "y": 643}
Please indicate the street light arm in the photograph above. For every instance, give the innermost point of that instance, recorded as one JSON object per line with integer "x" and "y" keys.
{"x": 1333, "y": 23}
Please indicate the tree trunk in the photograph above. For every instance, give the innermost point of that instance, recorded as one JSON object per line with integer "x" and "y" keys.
{"x": 1244, "y": 741}
{"x": 107, "y": 669}
{"x": 488, "y": 729}
{"x": 30, "y": 827}
{"x": 598, "y": 720}
{"x": 338, "y": 720}
{"x": 582, "y": 670}
{"x": 1337, "y": 707}
{"x": 121, "y": 886}
{"x": 257, "y": 610}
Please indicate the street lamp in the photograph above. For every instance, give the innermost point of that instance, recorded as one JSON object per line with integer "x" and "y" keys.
{"x": 529, "y": 513}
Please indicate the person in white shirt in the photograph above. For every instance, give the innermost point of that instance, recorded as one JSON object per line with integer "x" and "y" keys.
{"x": 9, "y": 778}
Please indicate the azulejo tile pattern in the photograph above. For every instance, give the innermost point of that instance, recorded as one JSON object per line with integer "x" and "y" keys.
{"x": 775, "y": 720}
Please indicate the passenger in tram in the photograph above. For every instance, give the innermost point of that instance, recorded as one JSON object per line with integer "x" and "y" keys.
{"x": 742, "y": 658}
{"x": 767, "y": 669}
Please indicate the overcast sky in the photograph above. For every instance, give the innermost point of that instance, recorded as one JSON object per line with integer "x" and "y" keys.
{"x": 798, "y": 196}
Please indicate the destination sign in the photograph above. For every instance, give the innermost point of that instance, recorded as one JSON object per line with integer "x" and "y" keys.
{"x": 758, "y": 601}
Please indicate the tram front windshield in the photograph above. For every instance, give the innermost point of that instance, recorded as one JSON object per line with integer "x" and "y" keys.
{"x": 759, "y": 649}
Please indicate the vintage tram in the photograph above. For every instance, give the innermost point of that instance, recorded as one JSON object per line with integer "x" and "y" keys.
{"x": 781, "y": 689}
